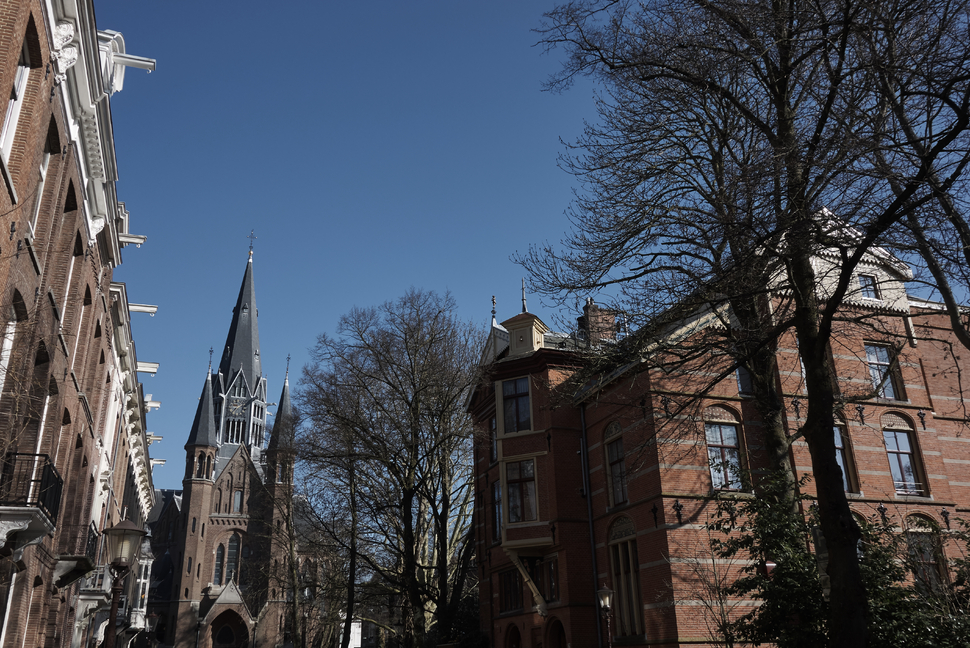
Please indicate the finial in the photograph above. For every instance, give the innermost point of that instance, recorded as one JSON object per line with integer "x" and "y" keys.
{"x": 287, "y": 367}
{"x": 493, "y": 306}
{"x": 252, "y": 238}
{"x": 525, "y": 309}
{"x": 210, "y": 359}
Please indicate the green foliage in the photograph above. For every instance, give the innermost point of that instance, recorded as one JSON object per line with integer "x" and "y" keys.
{"x": 768, "y": 530}
{"x": 912, "y": 604}
{"x": 904, "y": 611}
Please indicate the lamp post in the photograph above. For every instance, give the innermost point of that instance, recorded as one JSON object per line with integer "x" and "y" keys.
{"x": 605, "y": 595}
{"x": 123, "y": 543}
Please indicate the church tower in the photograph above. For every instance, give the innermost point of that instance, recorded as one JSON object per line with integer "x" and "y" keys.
{"x": 240, "y": 387}
{"x": 224, "y": 523}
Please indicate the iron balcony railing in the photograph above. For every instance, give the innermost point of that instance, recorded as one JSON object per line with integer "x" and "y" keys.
{"x": 31, "y": 480}
{"x": 79, "y": 540}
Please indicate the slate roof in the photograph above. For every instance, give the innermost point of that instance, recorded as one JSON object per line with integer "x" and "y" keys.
{"x": 204, "y": 426}
{"x": 242, "y": 344}
{"x": 283, "y": 427}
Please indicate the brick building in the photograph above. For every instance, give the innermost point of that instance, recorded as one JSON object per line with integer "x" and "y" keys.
{"x": 220, "y": 576}
{"x": 614, "y": 486}
{"x": 75, "y": 455}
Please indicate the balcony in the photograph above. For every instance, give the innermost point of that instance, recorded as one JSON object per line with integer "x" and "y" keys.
{"x": 30, "y": 498}
{"x": 78, "y": 550}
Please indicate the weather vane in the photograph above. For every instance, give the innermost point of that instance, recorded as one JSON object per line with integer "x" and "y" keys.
{"x": 252, "y": 238}
{"x": 210, "y": 359}
{"x": 287, "y": 364}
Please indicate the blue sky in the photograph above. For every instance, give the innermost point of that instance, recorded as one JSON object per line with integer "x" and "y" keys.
{"x": 373, "y": 146}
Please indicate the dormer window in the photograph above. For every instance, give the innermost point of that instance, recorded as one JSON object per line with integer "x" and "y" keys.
{"x": 869, "y": 287}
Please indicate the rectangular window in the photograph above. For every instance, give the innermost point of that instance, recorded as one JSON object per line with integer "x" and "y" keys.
{"x": 39, "y": 194}
{"x": 924, "y": 560}
{"x": 626, "y": 585}
{"x": 515, "y": 396}
{"x": 510, "y": 591}
{"x": 614, "y": 452}
{"x": 745, "y": 384}
{"x": 884, "y": 372}
{"x": 869, "y": 287}
{"x": 237, "y": 501}
{"x": 842, "y": 458}
{"x": 521, "y": 481}
{"x": 724, "y": 455}
{"x": 547, "y": 580}
{"x": 496, "y": 511}
{"x": 902, "y": 463}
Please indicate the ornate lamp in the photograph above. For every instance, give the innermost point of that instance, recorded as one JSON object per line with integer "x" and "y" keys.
{"x": 123, "y": 542}
{"x": 605, "y": 595}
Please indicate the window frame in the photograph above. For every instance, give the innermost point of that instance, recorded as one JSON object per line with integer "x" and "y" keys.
{"x": 843, "y": 456}
{"x": 869, "y": 286}
{"x": 15, "y": 104}
{"x": 624, "y": 570}
{"x": 514, "y": 403}
{"x": 616, "y": 470}
{"x": 885, "y": 376}
{"x": 497, "y": 521}
{"x": 924, "y": 554}
{"x": 518, "y": 491}
{"x": 745, "y": 381}
{"x": 898, "y": 468}
{"x": 720, "y": 467}
{"x": 510, "y": 591}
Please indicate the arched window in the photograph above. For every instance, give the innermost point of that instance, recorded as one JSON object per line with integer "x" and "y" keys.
{"x": 903, "y": 454}
{"x": 218, "y": 506}
{"x": 723, "y": 448}
{"x": 220, "y": 560}
{"x": 844, "y": 458}
{"x": 200, "y": 470}
{"x": 237, "y": 498}
{"x": 625, "y": 568}
{"x": 208, "y": 467}
{"x": 232, "y": 561}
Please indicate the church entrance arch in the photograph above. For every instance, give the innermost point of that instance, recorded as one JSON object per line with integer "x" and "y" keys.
{"x": 228, "y": 630}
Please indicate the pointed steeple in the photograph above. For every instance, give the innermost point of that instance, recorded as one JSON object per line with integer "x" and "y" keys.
{"x": 242, "y": 344}
{"x": 283, "y": 433}
{"x": 204, "y": 426}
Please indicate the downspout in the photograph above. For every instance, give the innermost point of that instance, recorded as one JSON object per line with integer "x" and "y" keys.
{"x": 584, "y": 456}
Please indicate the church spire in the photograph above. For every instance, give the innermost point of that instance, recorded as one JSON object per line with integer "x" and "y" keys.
{"x": 282, "y": 437}
{"x": 204, "y": 426}
{"x": 242, "y": 344}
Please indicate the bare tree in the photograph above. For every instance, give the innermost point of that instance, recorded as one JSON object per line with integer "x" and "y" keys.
{"x": 727, "y": 131}
{"x": 384, "y": 402}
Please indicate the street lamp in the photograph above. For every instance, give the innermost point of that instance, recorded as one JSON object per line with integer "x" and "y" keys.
{"x": 123, "y": 542}
{"x": 605, "y": 595}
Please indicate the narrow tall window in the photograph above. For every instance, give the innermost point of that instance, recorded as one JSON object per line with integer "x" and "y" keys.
{"x": 842, "y": 458}
{"x": 723, "y": 455}
{"x": 237, "y": 497}
{"x": 614, "y": 453}
{"x": 232, "y": 562}
{"x": 869, "y": 287}
{"x": 625, "y": 569}
{"x": 41, "y": 180}
{"x": 884, "y": 372}
{"x": 925, "y": 554}
{"x": 745, "y": 384}
{"x": 515, "y": 396}
{"x": 903, "y": 462}
{"x": 220, "y": 561}
{"x": 496, "y": 510}
{"x": 520, "y": 477}
{"x": 510, "y": 591}
{"x": 493, "y": 440}
{"x": 15, "y": 104}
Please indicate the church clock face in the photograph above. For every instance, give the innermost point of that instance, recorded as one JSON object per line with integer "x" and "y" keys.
{"x": 237, "y": 407}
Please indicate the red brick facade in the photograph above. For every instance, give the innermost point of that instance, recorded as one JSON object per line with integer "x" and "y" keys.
{"x": 611, "y": 470}
{"x": 72, "y": 412}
